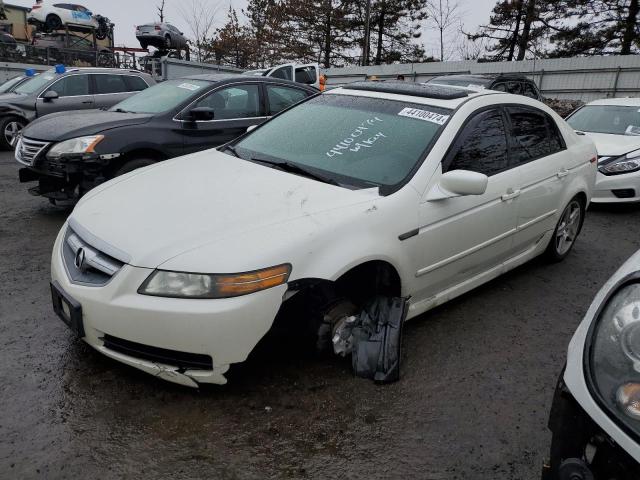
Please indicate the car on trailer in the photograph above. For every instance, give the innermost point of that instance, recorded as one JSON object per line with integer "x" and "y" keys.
{"x": 58, "y": 15}
{"x": 373, "y": 189}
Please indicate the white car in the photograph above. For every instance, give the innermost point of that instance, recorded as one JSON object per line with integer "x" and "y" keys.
{"x": 595, "y": 417}
{"x": 614, "y": 126}
{"x": 181, "y": 268}
{"x": 56, "y": 16}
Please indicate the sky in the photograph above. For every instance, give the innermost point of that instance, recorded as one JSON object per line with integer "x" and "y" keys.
{"x": 126, "y": 14}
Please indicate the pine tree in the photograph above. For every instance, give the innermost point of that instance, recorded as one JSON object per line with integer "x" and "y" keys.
{"x": 515, "y": 28}
{"x": 232, "y": 43}
{"x": 595, "y": 27}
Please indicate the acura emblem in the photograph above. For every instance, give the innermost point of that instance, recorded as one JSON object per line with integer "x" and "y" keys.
{"x": 79, "y": 260}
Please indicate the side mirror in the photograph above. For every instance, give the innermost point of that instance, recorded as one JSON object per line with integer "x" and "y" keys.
{"x": 203, "y": 114}
{"x": 251, "y": 128}
{"x": 459, "y": 183}
{"x": 50, "y": 96}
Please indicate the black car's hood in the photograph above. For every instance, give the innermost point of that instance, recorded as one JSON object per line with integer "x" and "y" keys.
{"x": 65, "y": 125}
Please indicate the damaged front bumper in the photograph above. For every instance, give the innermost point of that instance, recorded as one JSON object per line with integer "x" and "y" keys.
{"x": 580, "y": 448}
{"x": 184, "y": 341}
{"x": 65, "y": 178}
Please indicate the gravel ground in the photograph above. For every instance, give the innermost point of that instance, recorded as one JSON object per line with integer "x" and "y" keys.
{"x": 477, "y": 381}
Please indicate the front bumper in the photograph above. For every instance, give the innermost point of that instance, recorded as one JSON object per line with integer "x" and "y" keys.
{"x": 580, "y": 447}
{"x": 623, "y": 188}
{"x": 226, "y": 330}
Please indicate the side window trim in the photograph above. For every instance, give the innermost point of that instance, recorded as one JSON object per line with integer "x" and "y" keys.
{"x": 513, "y": 142}
{"x": 458, "y": 141}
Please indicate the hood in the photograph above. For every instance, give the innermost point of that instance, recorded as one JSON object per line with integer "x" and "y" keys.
{"x": 159, "y": 212}
{"x": 65, "y": 125}
{"x": 614, "y": 145}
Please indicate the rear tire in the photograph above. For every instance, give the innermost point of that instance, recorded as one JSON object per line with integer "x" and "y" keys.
{"x": 9, "y": 128}
{"x": 132, "y": 165}
{"x": 566, "y": 231}
{"x": 53, "y": 23}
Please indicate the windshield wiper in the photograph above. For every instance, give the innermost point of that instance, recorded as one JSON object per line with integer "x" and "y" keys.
{"x": 120, "y": 110}
{"x": 232, "y": 149}
{"x": 296, "y": 169}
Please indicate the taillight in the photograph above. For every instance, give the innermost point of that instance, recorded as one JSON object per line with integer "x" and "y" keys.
{"x": 158, "y": 27}
{"x": 35, "y": 7}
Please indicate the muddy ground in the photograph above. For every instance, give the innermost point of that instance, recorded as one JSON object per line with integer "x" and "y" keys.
{"x": 477, "y": 381}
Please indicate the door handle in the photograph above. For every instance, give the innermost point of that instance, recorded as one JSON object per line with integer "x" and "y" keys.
{"x": 87, "y": 102}
{"x": 511, "y": 194}
{"x": 563, "y": 173}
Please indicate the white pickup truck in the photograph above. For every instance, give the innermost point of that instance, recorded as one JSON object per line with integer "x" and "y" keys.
{"x": 308, "y": 74}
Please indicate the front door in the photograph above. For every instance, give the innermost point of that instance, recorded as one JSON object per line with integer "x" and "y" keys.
{"x": 462, "y": 237}
{"x": 235, "y": 108}
{"x": 74, "y": 93}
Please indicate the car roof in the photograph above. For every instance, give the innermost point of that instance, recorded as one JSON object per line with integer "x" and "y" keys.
{"x": 440, "y": 96}
{"x": 102, "y": 70}
{"x": 627, "y": 101}
{"x": 233, "y": 77}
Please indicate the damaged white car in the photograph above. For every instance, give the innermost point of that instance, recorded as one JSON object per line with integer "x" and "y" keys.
{"x": 422, "y": 192}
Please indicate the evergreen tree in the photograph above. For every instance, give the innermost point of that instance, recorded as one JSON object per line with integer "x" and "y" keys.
{"x": 232, "y": 44}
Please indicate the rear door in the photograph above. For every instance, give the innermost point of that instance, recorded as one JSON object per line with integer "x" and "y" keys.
{"x": 110, "y": 89}
{"x": 236, "y": 107}
{"x": 539, "y": 152}
{"x": 74, "y": 93}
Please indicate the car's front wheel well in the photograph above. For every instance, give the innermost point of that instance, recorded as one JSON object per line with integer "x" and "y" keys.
{"x": 146, "y": 153}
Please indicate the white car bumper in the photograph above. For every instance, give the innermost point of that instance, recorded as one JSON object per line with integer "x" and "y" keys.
{"x": 617, "y": 188}
{"x": 226, "y": 330}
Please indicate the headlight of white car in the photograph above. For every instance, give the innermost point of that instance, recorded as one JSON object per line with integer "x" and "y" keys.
{"x": 162, "y": 283}
{"x": 75, "y": 146}
{"x": 623, "y": 164}
{"x": 612, "y": 356}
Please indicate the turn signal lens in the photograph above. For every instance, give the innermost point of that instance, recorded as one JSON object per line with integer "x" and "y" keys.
{"x": 244, "y": 283}
{"x": 628, "y": 397}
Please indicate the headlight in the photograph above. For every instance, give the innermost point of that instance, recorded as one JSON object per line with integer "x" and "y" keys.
{"x": 75, "y": 146}
{"x": 623, "y": 164}
{"x": 612, "y": 359}
{"x": 162, "y": 283}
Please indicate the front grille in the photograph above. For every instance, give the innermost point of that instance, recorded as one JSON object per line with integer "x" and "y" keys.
{"x": 28, "y": 150}
{"x": 86, "y": 265}
{"x": 187, "y": 361}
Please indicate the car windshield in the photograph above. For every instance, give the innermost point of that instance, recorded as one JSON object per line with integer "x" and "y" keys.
{"x": 353, "y": 140}
{"x": 162, "y": 97}
{"x": 36, "y": 83}
{"x": 613, "y": 119}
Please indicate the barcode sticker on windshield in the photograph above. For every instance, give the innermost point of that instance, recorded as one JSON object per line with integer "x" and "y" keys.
{"x": 189, "y": 86}
{"x": 424, "y": 115}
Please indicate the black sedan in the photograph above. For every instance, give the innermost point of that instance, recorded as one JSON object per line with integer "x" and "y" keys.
{"x": 69, "y": 153}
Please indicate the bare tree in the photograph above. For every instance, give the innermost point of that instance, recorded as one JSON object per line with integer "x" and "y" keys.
{"x": 469, "y": 49}
{"x": 442, "y": 15}
{"x": 200, "y": 16}
{"x": 161, "y": 11}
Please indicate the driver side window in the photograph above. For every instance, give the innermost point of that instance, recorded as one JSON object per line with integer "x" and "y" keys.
{"x": 239, "y": 101}
{"x": 71, "y": 86}
{"x": 482, "y": 145}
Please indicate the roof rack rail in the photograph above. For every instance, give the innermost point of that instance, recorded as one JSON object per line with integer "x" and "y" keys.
{"x": 412, "y": 89}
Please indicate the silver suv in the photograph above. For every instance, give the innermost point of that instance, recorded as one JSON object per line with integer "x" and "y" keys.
{"x": 163, "y": 36}
{"x": 73, "y": 89}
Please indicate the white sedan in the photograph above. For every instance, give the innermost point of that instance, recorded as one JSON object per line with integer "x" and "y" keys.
{"x": 614, "y": 126}
{"x": 181, "y": 268}
{"x": 56, "y": 16}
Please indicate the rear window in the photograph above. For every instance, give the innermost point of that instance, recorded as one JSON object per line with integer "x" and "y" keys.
{"x": 356, "y": 141}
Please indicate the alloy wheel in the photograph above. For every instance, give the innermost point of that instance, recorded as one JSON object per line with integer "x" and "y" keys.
{"x": 568, "y": 228}
{"x": 11, "y": 132}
